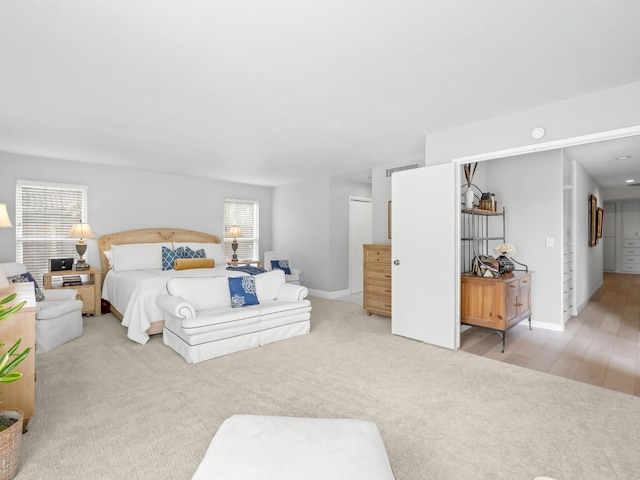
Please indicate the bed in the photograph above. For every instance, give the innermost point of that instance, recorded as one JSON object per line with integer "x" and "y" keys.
{"x": 133, "y": 278}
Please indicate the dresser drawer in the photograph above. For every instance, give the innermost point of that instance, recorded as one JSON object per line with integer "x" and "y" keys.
{"x": 379, "y": 304}
{"x": 631, "y": 251}
{"x": 628, "y": 242}
{"x": 631, "y": 267}
{"x": 379, "y": 291}
{"x": 628, "y": 259}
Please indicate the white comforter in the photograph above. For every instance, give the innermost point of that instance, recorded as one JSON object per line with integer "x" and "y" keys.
{"x": 134, "y": 293}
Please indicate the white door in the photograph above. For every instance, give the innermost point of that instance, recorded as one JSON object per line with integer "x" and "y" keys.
{"x": 424, "y": 278}
{"x": 609, "y": 238}
{"x": 360, "y": 232}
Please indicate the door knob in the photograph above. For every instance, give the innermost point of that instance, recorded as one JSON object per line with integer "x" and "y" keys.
{"x": 396, "y": 262}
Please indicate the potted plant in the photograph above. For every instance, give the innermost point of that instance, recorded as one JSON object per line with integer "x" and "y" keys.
{"x": 10, "y": 420}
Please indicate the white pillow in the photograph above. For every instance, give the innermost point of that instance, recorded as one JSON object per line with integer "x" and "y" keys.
{"x": 211, "y": 250}
{"x": 109, "y": 256}
{"x": 3, "y": 279}
{"x": 139, "y": 256}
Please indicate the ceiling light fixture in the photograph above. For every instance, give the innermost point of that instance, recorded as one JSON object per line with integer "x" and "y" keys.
{"x": 623, "y": 157}
{"x": 631, "y": 180}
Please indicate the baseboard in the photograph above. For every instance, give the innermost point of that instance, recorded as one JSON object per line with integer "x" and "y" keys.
{"x": 545, "y": 326}
{"x": 328, "y": 295}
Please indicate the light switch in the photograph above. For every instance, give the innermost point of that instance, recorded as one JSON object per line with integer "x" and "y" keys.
{"x": 549, "y": 242}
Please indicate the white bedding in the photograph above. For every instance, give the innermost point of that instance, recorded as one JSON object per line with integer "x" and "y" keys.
{"x": 133, "y": 294}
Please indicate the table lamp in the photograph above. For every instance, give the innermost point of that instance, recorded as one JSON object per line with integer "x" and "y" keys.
{"x": 81, "y": 231}
{"x": 234, "y": 232}
{"x": 4, "y": 216}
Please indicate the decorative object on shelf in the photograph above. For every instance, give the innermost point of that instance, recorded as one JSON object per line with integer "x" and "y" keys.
{"x": 5, "y": 222}
{"x": 81, "y": 231}
{"x": 234, "y": 232}
{"x": 488, "y": 202}
{"x": 485, "y": 266}
{"x": 469, "y": 196}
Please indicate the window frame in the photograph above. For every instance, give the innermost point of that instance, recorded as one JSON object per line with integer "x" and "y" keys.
{"x": 251, "y": 236}
{"x": 57, "y": 244}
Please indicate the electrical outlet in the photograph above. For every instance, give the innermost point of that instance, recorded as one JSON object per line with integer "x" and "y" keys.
{"x": 549, "y": 242}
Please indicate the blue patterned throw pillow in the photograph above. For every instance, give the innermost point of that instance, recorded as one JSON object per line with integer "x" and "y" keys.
{"x": 188, "y": 253}
{"x": 169, "y": 257}
{"x": 26, "y": 278}
{"x": 281, "y": 265}
{"x": 243, "y": 291}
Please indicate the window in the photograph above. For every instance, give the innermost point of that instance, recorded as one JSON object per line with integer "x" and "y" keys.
{"x": 45, "y": 213}
{"x": 244, "y": 214}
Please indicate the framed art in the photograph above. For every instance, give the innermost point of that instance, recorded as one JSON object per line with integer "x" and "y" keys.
{"x": 593, "y": 220}
{"x": 599, "y": 220}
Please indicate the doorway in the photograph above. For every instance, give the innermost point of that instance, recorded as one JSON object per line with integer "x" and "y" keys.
{"x": 360, "y": 233}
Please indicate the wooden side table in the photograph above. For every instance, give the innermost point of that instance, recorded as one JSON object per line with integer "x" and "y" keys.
{"x": 257, "y": 263}
{"x": 89, "y": 291}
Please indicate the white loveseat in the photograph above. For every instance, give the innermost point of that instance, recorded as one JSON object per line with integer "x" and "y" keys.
{"x": 200, "y": 322}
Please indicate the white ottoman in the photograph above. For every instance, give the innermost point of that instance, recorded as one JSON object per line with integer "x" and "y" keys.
{"x": 255, "y": 447}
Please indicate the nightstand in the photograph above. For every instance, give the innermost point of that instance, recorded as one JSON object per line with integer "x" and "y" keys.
{"x": 89, "y": 291}
{"x": 257, "y": 263}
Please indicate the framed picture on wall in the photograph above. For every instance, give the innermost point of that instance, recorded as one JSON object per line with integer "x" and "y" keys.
{"x": 593, "y": 220}
{"x": 599, "y": 220}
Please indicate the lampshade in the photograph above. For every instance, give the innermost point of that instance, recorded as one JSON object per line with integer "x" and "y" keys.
{"x": 234, "y": 232}
{"x": 4, "y": 216}
{"x": 81, "y": 230}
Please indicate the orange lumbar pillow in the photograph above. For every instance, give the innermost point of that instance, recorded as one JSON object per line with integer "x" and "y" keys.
{"x": 187, "y": 263}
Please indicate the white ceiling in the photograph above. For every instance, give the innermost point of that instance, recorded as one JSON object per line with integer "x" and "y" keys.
{"x": 278, "y": 91}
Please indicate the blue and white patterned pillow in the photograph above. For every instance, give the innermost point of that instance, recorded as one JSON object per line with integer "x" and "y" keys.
{"x": 169, "y": 257}
{"x": 281, "y": 265}
{"x": 243, "y": 291}
{"x": 26, "y": 278}
{"x": 188, "y": 253}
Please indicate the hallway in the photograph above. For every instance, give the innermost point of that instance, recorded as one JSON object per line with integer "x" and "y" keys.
{"x": 601, "y": 346}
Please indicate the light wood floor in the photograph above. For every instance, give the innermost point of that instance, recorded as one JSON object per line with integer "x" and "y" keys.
{"x": 601, "y": 346}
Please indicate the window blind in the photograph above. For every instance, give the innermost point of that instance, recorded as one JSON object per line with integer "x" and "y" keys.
{"x": 244, "y": 214}
{"x": 45, "y": 213}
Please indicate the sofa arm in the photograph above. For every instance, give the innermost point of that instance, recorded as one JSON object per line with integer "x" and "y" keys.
{"x": 292, "y": 293}
{"x": 175, "y": 306}
{"x": 59, "y": 294}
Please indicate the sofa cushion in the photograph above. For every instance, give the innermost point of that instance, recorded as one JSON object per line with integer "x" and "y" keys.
{"x": 221, "y": 318}
{"x": 268, "y": 285}
{"x": 243, "y": 291}
{"x": 201, "y": 292}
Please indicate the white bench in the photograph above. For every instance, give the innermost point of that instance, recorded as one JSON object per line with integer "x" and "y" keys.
{"x": 292, "y": 448}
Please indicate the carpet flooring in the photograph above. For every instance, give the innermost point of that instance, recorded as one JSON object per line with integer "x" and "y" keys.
{"x": 108, "y": 408}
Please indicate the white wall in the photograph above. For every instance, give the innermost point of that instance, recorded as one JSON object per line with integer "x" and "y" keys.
{"x": 311, "y": 221}
{"x": 530, "y": 189}
{"x": 124, "y": 199}
{"x": 589, "y": 260}
{"x": 597, "y": 112}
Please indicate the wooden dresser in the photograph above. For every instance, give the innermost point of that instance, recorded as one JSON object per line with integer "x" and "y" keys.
{"x": 495, "y": 303}
{"x": 377, "y": 279}
{"x": 21, "y": 393}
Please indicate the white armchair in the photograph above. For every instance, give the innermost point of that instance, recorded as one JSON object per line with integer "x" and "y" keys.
{"x": 58, "y": 316}
{"x": 294, "y": 277}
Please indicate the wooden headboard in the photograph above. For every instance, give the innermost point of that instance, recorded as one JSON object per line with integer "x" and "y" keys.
{"x": 149, "y": 235}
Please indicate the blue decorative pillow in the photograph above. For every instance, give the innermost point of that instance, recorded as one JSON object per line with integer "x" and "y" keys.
{"x": 188, "y": 253}
{"x": 281, "y": 265}
{"x": 169, "y": 257}
{"x": 26, "y": 278}
{"x": 243, "y": 291}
